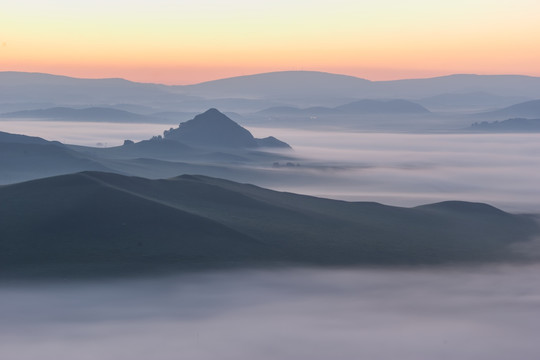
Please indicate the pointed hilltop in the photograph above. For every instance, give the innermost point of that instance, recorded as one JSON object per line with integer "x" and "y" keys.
{"x": 215, "y": 129}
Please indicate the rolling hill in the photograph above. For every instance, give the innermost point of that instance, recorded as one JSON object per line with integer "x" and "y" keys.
{"x": 26, "y": 157}
{"x": 394, "y": 106}
{"x": 95, "y": 221}
{"x": 326, "y": 88}
{"x": 251, "y": 92}
{"x": 527, "y": 109}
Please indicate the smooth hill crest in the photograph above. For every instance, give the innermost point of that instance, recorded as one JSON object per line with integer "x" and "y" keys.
{"x": 528, "y": 109}
{"x": 102, "y": 221}
{"x": 310, "y": 85}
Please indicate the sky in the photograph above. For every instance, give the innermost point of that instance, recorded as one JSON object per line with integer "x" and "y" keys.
{"x": 183, "y": 42}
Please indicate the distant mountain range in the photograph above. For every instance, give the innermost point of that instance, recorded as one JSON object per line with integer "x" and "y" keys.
{"x": 95, "y": 221}
{"x": 24, "y": 157}
{"x": 320, "y": 85}
{"x": 298, "y": 88}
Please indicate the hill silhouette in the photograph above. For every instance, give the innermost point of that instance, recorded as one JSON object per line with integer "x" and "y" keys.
{"x": 38, "y": 87}
{"x": 210, "y": 139}
{"x": 469, "y": 101}
{"x": 111, "y": 223}
{"x": 325, "y": 86}
{"x": 21, "y": 139}
{"x": 23, "y": 161}
{"x": 214, "y": 129}
{"x": 527, "y": 109}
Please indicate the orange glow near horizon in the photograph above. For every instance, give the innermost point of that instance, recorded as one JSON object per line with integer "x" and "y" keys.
{"x": 176, "y": 42}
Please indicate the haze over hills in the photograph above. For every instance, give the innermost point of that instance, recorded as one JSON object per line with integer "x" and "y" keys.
{"x": 24, "y": 158}
{"x": 38, "y": 87}
{"x": 358, "y": 107}
{"x": 100, "y": 114}
{"x": 528, "y": 109}
{"x": 317, "y": 85}
{"x": 297, "y": 88}
{"x": 369, "y": 106}
{"x": 501, "y": 85}
{"x": 211, "y": 135}
{"x": 113, "y": 223}
{"x": 200, "y": 144}
{"x": 468, "y": 102}
{"x": 214, "y": 129}
{"x": 288, "y": 85}
{"x": 510, "y": 125}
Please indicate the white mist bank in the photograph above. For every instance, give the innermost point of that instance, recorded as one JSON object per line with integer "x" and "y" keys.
{"x": 395, "y": 169}
{"x": 484, "y": 313}
{"x": 415, "y": 169}
{"x": 100, "y": 134}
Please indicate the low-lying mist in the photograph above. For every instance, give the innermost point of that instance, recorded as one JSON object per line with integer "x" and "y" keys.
{"x": 403, "y": 169}
{"x": 413, "y": 169}
{"x": 477, "y": 313}
{"x": 100, "y": 134}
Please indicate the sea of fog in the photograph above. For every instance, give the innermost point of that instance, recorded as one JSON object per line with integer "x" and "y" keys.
{"x": 486, "y": 313}
{"x": 404, "y": 169}
{"x": 476, "y": 313}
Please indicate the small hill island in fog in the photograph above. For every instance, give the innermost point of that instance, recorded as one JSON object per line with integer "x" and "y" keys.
{"x": 210, "y": 137}
{"x": 214, "y": 129}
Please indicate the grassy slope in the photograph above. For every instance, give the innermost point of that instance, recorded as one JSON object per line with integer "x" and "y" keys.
{"x": 102, "y": 218}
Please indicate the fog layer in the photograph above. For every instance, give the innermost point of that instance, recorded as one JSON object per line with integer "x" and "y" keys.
{"x": 413, "y": 169}
{"x": 483, "y": 313}
{"x": 396, "y": 169}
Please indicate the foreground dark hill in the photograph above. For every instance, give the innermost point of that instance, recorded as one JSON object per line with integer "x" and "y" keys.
{"x": 108, "y": 222}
